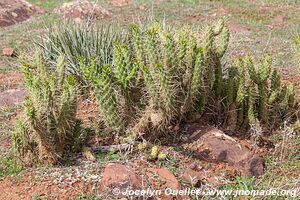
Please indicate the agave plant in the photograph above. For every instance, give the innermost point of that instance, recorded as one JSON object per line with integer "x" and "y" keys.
{"x": 76, "y": 41}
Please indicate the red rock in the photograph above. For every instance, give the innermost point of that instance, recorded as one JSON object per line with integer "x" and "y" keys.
{"x": 15, "y": 11}
{"x": 212, "y": 144}
{"x": 168, "y": 177}
{"x": 120, "y": 2}
{"x": 193, "y": 177}
{"x": 8, "y": 52}
{"x": 121, "y": 177}
{"x": 254, "y": 167}
{"x": 83, "y": 10}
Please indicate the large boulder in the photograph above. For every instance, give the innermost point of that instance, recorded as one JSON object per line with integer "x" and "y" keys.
{"x": 15, "y": 11}
{"x": 211, "y": 144}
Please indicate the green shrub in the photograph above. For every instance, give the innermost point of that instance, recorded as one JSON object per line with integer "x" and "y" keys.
{"x": 80, "y": 41}
{"x": 48, "y": 127}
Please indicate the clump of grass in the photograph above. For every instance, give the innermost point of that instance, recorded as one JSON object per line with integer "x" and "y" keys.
{"x": 9, "y": 167}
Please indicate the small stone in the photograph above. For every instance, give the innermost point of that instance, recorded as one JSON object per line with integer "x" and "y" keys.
{"x": 121, "y": 177}
{"x": 193, "y": 177}
{"x": 168, "y": 177}
{"x": 14, "y": 14}
{"x": 9, "y": 52}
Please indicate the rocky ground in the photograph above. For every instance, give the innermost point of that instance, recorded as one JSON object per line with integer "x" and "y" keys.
{"x": 199, "y": 156}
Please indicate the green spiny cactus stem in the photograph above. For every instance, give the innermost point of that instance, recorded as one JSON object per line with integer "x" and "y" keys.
{"x": 232, "y": 84}
{"x": 208, "y": 48}
{"x": 241, "y": 85}
{"x": 182, "y": 49}
{"x": 152, "y": 41}
{"x": 275, "y": 80}
{"x": 46, "y": 129}
{"x": 275, "y": 87}
{"x": 137, "y": 42}
{"x": 288, "y": 98}
{"x": 260, "y": 76}
{"x": 191, "y": 52}
{"x": 251, "y": 110}
{"x": 208, "y": 42}
{"x": 151, "y": 87}
{"x": 219, "y": 27}
{"x": 224, "y": 42}
{"x": 231, "y": 98}
{"x": 107, "y": 99}
{"x": 124, "y": 69}
{"x": 170, "y": 62}
{"x": 166, "y": 89}
{"x": 195, "y": 86}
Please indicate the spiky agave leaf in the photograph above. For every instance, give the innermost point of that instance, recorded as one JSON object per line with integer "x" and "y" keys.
{"x": 80, "y": 40}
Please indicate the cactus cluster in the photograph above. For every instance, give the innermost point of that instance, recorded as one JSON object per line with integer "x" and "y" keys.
{"x": 170, "y": 70}
{"x": 256, "y": 94}
{"x": 159, "y": 77}
{"x": 168, "y": 74}
{"x": 48, "y": 126}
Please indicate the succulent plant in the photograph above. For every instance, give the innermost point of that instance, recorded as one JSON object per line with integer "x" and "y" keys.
{"x": 47, "y": 128}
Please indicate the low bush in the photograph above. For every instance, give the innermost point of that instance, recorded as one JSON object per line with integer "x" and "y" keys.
{"x": 48, "y": 128}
